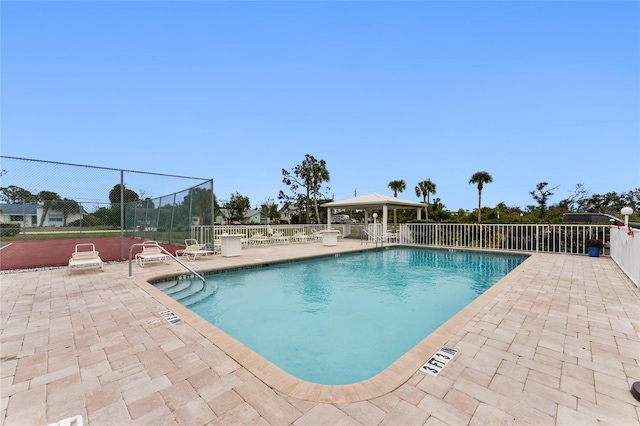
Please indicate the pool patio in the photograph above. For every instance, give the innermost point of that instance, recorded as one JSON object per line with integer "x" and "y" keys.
{"x": 556, "y": 342}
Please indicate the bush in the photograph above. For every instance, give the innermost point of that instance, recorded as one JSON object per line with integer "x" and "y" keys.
{"x": 9, "y": 229}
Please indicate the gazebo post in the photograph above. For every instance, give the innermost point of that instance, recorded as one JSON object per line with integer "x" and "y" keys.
{"x": 385, "y": 216}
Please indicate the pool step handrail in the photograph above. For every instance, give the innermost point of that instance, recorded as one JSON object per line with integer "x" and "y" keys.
{"x": 163, "y": 250}
{"x": 373, "y": 236}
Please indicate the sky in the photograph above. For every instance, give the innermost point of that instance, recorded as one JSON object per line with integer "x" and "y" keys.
{"x": 529, "y": 92}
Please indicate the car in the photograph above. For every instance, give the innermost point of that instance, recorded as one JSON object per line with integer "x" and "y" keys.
{"x": 595, "y": 218}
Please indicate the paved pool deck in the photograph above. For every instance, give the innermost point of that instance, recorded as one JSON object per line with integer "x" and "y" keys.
{"x": 556, "y": 342}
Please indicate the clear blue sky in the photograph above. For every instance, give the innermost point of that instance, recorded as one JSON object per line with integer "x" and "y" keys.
{"x": 382, "y": 91}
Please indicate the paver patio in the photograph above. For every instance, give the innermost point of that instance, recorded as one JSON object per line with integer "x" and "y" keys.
{"x": 556, "y": 342}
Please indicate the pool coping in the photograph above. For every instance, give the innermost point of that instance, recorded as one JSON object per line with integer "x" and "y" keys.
{"x": 388, "y": 380}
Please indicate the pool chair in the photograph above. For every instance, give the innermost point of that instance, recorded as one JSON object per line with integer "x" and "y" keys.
{"x": 151, "y": 252}
{"x": 300, "y": 237}
{"x": 391, "y": 237}
{"x": 193, "y": 250}
{"x": 315, "y": 236}
{"x": 258, "y": 239}
{"x": 277, "y": 237}
{"x": 85, "y": 256}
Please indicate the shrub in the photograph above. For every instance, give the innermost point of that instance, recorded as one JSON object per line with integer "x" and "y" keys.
{"x": 9, "y": 229}
{"x": 595, "y": 243}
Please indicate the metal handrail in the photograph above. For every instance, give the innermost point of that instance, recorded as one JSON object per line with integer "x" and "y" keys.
{"x": 147, "y": 244}
{"x": 374, "y": 236}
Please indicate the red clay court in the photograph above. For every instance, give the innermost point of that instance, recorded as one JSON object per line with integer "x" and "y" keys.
{"x": 44, "y": 253}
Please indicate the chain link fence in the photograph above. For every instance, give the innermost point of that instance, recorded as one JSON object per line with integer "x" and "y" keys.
{"x": 45, "y": 200}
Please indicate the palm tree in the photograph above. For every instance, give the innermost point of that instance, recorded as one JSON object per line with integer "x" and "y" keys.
{"x": 480, "y": 178}
{"x": 425, "y": 188}
{"x": 396, "y": 186}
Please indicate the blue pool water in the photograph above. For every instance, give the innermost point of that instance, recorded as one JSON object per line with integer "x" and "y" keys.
{"x": 343, "y": 319}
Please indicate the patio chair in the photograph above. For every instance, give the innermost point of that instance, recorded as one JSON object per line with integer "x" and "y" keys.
{"x": 193, "y": 250}
{"x": 258, "y": 239}
{"x": 151, "y": 252}
{"x": 391, "y": 237}
{"x": 277, "y": 236}
{"x": 85, "y": 256}
{"x": 315, "y": 236}
{"x": 300, "y": 237}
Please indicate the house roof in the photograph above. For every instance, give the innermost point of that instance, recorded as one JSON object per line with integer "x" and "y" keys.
{"x": 26, "y": 208}
{"x": 373, "y": 201}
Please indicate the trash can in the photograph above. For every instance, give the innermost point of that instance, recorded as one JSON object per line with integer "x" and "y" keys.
{"x": 231, "y": 244}
{"x": 329, "y": 237}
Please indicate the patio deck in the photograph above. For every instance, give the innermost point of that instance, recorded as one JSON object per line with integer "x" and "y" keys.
{"x": 556, "y": 342}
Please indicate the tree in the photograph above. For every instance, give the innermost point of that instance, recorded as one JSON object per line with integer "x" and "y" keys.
{"x": 199, "y": 201}
{"x": 270, "y": 210}
{"x": 480, "y": 178}
{"x": 237, "y": 206}
{"x": 310, "y": 175}
{"x": 47, "y": 198}
{"x": 396, "y": 186}
{"x": 105, "y": 216}
{"x": 14, "y": 195}
{"x": 67, "y": 207}
{"x": 425, "y": 188}
{"x": 542, "y": 196}
{"x": 129, "y": 195}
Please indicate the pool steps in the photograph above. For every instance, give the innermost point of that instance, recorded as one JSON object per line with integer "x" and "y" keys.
{"x": 186, "y": 292}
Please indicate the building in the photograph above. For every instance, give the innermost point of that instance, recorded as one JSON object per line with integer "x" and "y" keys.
{"x": 30, "y": 215}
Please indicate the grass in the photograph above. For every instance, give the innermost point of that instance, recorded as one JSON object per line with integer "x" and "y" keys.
{"x": 61, "y": 233}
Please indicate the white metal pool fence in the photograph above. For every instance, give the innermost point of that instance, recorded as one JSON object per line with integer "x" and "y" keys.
{"x": 621, "y": 243}
{"x": 547, "y": 238}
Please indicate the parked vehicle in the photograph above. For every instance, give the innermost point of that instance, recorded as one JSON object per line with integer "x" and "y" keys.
{"x": 595, "y": 218}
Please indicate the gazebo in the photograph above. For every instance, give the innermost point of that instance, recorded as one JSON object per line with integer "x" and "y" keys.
{"x": 373, "y": 201}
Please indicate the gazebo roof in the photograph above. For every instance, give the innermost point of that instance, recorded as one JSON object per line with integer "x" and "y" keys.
{"x": 372, "y": 201}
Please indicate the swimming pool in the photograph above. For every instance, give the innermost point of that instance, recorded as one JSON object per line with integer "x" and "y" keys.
{"x": 343, "y": 319}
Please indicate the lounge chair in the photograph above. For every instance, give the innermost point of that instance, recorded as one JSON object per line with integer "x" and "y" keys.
{"x": 193, "y": 250}
{"x": 277, "y": 237}
{"x": 151, "y": 252}
{"x": 300, "y": 237}
{"x": 84, "y": 256}
{"x": 217, "y": 245}
{"x": 315, "y": 236}
{"x": 258, "y": 239}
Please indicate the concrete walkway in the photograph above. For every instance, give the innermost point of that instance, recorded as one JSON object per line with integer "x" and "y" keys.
{"x": 556, "y": 342}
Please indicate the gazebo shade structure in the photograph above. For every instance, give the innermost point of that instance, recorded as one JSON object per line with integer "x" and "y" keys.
{"x": 370, "y": 202}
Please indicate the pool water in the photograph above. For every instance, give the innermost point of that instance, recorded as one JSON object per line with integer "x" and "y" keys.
{"x": 344, "y": 319}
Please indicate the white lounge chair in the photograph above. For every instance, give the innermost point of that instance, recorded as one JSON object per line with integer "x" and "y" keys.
{"x": 300, "y": 237}
{"x": 278, "y": 237}
{"x": 193, "y": 250}
{"x": 151, "y": 252}
{"x": 85, "y": 256}
{"x": 258, "y": 239}
{"x": 315, "y": 236}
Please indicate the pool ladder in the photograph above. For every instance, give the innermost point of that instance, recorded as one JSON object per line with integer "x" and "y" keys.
{"x": 366, "y": 236}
